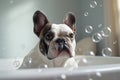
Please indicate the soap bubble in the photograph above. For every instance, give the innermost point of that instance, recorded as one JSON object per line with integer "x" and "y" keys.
{"x": 11, "y": 1}
{"x": 98, "y": 74}
{"x": 30, "y": 60}
{"x": 42, "y": 66}
{"x": 84, "y": 60}
{"x": 63, "y": 77}
{"x": 92, "y": 53}
{"x": 107, "y": 51}
{"x": 97, "y": 37}
{"x": 45, "y": 66}
{"x": 93, "y": 4}
{"x": 115, "y": 42}
{"x": 86, "y": 13}
{"x": 16, "y": 63}
{"x": 90, "y": 79}
{"x": 106, "y": 31}
{"x": 88, "y": 29}
{"x": 100, "y": 25}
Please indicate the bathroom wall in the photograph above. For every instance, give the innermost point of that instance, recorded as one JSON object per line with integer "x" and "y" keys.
{"x": 16, "y": 26}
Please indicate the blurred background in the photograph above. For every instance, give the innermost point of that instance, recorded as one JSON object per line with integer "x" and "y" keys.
{"x": 97, "y": 19}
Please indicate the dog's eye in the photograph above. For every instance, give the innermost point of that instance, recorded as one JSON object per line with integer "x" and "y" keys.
{"x": 49, "y": 36}
{"x": 71, "y": 35}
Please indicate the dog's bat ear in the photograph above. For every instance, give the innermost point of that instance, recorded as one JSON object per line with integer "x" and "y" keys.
{"x": 70, "y": 20}
{"x": 43, "y": 47}
{"x": 39, "y": 20}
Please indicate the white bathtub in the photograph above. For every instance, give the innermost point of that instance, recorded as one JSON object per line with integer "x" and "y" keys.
{"x": 90, "y": 68}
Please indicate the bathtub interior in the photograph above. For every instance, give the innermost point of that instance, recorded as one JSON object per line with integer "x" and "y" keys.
{"x": 90, "y": 68}
{"x": 97, "y": 43}
{"x": 82, "y": 61}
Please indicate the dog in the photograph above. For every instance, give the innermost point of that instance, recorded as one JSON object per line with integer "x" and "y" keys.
{"x": 57, "y": 42}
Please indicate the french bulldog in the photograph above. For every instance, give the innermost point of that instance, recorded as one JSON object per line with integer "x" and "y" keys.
{"x": 57, "y": 42}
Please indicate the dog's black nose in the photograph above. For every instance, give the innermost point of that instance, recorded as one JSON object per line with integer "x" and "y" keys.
{"x": 61, "y": 43}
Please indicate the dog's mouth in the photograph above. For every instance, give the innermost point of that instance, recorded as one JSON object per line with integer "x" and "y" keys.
{"x": 59, "y": 50}
{"x": 64, "y": 50}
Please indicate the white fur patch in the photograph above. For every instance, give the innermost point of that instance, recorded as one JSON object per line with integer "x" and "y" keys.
{"x": 58, "y": 28}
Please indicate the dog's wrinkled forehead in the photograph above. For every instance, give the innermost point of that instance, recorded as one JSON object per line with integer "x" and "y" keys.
{"x": 61, "y": 28}
{"x": 57, "y": 29}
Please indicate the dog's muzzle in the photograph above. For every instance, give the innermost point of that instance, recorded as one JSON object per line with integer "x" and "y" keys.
{"x": 62, "y": 45}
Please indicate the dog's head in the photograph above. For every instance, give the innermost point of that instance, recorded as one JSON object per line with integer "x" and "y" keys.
{"x": 55, "y": 39}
